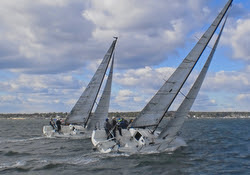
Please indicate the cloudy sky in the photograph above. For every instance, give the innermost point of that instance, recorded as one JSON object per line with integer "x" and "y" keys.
{"x": 49, "y": 50}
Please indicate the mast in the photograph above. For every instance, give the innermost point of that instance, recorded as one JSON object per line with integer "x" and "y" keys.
{"x": 102, "y": 108}
{"x": 174, "y": 125}
{"x": 154, "y": 111}
{"x": 80, "y": 113}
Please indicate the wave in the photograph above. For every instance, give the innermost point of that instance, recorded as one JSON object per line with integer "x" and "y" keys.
{"x": 16, "y": 164}
{"x": 15, "y": 153}
{"x": 55, "y": 163}
{"x": 45, "y": 164}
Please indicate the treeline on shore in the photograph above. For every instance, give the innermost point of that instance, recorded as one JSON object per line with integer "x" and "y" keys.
{"x": 133, "y": 115}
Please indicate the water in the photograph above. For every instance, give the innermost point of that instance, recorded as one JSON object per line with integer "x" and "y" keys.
{"x": 215, "y": 146}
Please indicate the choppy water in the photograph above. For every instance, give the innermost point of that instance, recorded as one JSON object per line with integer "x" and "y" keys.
{"x": 215, "y": 146}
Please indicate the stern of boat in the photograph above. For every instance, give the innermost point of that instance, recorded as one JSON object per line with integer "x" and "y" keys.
{"x": 48, "y": 131}
{"x": 101, "y": 143}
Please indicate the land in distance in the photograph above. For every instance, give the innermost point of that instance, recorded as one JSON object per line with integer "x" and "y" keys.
{"x": 129, "y": 115}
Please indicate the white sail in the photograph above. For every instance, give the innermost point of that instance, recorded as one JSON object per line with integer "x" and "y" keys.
{"x": 155, "y": 110}
{"x": 101, "y": 112}
{"x": 174, "y": 125}
{"x": 81, "y": 111}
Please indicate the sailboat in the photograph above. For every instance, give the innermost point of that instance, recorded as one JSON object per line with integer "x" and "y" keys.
{"x": 143, "y": 134}
{"x": 80, "y": 119}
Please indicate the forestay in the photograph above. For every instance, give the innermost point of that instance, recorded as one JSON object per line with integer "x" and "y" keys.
{"x": 81, "y": 111}
{"x": 101, "y": 112}
{"x": 155, "y": 110}
{"x": 174, "y": 125}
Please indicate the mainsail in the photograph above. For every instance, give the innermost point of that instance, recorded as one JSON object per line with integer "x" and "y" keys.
{"x": 80, "y": 113}
{"x": 154, "y": 111}
{"x": 174, "y": 125}
{"x": 101, "y": 112}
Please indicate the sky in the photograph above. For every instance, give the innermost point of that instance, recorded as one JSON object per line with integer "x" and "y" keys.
{"x": 49, "y": 50}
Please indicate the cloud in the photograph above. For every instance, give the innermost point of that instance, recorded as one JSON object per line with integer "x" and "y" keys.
{"x": 39, "y": 83}
{"x": 141, "y": 84}
{"x": 123, "y": 95}
{"x": 55, "y": 2}
{"x": 8, "y": 99}
{"x": 147, "y": 30}
{"x": 238, "y": 37}
{"x": 50, "y": 49}
{"x": 40, "y": 93}
{"x": 236, "y": 34}
{"x": 124, "y": 100}
{"x": 241, "y": 97}
{"x": 219, "y": 92}
{"x": 231, "y": 82}
{"x": 147, "y": 77}
{"x": 139, "y": 15}
{"x": 224, "y": 91}
{"x": 46, "y": 37}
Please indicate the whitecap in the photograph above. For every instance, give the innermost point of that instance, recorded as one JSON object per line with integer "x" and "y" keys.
{"x": 16, "y": 164}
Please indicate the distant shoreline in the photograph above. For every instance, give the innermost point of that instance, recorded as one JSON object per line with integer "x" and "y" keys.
{"x": 129, "y": 115}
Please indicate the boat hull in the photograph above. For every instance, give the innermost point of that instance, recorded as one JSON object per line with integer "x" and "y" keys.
{"x": 134, "y": 141}
{"x": 67, "y": 131}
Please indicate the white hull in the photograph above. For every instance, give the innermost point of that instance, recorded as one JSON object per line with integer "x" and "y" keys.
{"x": 67, "y": 131}
{"x": 134, "y": 141}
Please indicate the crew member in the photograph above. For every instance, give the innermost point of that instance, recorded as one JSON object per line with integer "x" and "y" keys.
{"x": 119, "y": 126}
{"x": 58, "y": 124}
{"x": 114, "y": 126}
{"x": 107, "y": 127}
{"x": 51, "y": 122}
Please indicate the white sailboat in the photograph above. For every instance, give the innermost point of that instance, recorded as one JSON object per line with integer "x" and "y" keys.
{"x": 143, "y": 135}
{"x": 80, "y": 118}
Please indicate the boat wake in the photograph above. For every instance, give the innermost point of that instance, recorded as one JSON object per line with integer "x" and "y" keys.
{"x": 19, "y": 140}
{"x": 25, "y": 165}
